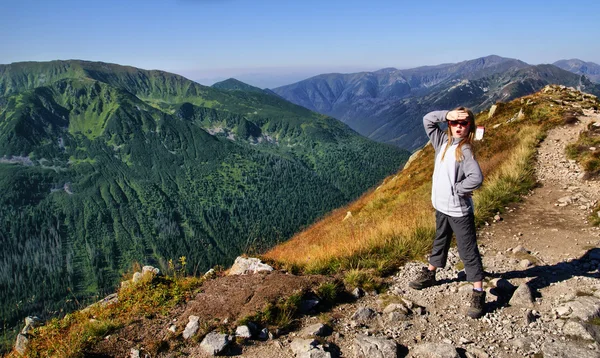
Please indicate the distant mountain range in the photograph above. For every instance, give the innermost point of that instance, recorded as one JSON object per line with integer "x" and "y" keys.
{"x": 387, "y": 105}
{"x": 588, "y": 69}
{"x": 102, "y": 166}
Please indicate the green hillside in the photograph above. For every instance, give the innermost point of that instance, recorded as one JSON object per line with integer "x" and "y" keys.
{"x": 103, "y": 165}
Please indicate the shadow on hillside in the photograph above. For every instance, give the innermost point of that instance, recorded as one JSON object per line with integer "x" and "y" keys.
{"x": 544, "y": 276}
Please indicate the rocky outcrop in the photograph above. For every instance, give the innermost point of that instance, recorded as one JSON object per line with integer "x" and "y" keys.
{"x": 22, "y": 341}
{"x": 244, "y": 266}
{"x": 376, "y": 347}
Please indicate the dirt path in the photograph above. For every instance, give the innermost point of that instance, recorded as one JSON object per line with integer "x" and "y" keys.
{"x": 552, "y": 221}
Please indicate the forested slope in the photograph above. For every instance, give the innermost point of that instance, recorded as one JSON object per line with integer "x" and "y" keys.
{"x": 103, "y": 165}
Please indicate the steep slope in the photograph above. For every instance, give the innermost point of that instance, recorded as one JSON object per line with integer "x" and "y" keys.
{"x": 395, "y": 222}
{"x": 387, "y": 105}
{"x": 590, "y": 70}
{"x": 104, "y": 165}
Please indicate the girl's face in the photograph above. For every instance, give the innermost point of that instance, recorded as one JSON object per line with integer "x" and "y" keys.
{"x": 460, "y": 129}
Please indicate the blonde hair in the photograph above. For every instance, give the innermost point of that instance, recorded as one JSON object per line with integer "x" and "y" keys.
{"x": 467, "y": 140}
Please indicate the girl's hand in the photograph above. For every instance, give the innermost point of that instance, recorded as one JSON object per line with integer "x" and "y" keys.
{"x": 456, "y": 115}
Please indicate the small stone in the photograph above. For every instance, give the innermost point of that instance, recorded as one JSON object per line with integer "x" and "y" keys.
{"x": 243, "y": 332}
{"x": 395, "y": 307}
{"x": 263, "y": 335}
{"x": 363, "y": 315}
{"x": 519, "y": 249}
{"x": 525, "y": 263}
{"x": 317, "y": 329}
{"x": 464, "y": 340}
{"x": 150, "y": 270}
{"x": 192, "y": 327}
{"x": 523, "y": 296}
{"x": 358, "y": 293}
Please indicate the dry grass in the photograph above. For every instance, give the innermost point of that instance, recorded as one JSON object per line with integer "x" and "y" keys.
{"x": 70, "y": 336}
{"x": 395, "y": 222}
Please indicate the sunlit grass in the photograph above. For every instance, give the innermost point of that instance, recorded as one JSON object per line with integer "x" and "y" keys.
{"x": 72, "y": 335}
{"x": 395, "y": 222}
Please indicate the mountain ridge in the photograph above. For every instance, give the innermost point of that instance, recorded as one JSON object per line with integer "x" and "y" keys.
{"x": 386, "y": 105}
{"x": 590, "y": 69}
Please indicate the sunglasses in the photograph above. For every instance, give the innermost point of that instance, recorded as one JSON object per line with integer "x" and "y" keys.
{"x": 455, "y": 123}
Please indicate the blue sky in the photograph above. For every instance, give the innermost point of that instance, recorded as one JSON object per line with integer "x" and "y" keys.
{"x": 269, "y": 43}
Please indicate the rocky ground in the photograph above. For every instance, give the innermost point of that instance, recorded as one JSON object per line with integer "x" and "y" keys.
{"x": 542, "y": 258}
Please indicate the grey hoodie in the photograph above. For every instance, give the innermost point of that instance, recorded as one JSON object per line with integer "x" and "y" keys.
{"x": 451, "y": 179}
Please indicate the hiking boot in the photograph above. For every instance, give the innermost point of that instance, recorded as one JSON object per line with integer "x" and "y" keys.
{"x": 477, "y": 307}
{"x": 425, "y": 278}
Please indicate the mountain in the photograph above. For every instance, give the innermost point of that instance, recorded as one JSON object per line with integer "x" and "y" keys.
{"x": 102, "y": 166}
{"x": 232, "y": 84}
{"x": 590, "y": 69}
{"x": 387, "y": 105}
{"x": 376, "y": 244}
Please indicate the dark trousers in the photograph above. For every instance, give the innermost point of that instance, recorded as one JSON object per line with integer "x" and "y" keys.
{"x": 466, "y": 240}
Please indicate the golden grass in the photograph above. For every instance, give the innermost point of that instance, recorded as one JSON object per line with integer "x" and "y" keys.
{"x": 395, "y": 222}
{"x": 72, "y": 335}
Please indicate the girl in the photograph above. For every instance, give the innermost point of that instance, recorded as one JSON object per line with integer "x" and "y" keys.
{"x": 456, "y": 174}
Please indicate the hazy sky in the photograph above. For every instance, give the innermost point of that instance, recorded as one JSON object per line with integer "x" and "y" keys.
{"x": 269, "y": 43}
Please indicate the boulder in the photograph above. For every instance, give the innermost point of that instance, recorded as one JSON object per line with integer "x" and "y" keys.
{"x": 473, "y": 352}
{"x": 523, "y": 296}
{"x": 31, "y": 322}
{"x": 21, "y": 343}
{"x": 243, "y": 332}
{"x": 306, "y": 306}
{"x": 364, "y": 315}
{"x": 567, "y": 349}
{"x": 434, "y": 350}
{"x": 150, "y": 270}
{"x": 137, "y": 277}
{"x": 308, "y": 348}
{"x": 583, "y": 307}
{"x": 317, "y": 329}
{"x": 375, "y": 347}
{"x": 393, "y": 307}
{"x": 576, "y": 329}
{"x": 250, "y": 265}
{"x": 192, "y": 327}
{"x": 215, "y": 343}
{"x": 301, "y": 345}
